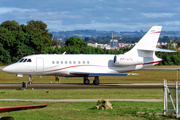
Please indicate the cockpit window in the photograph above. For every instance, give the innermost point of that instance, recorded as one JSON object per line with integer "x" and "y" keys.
{"x": 25, "y": 60}
{"x": 29, "y": 60}
{"x": 21, "y": 60}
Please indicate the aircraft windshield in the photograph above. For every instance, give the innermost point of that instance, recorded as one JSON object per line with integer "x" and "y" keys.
{"x": 21, "y": 60}
{"x": 25, "y": 60}
{"x": 29, "y": 60}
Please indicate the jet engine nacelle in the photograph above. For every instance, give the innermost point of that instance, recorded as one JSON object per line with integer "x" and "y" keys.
{"x": 123, "y": 60}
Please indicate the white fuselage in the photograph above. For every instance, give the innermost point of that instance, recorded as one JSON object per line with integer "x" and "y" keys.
{"x": 64, "y": 65}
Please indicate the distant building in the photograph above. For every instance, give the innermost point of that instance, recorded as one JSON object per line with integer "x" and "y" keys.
{"x": 114, "y": 43}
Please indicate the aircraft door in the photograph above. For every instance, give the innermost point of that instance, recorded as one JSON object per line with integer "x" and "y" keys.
{"x": 39, "y": 64}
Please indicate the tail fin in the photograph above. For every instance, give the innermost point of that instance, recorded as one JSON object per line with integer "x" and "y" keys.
{"x": 146, "y": 47}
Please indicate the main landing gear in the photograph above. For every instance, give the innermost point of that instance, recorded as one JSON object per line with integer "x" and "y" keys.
{"x": 95, "y": 82}
{"x": 86, "y": 80}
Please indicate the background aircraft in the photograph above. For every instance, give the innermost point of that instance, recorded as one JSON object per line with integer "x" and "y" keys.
{"x": 142, "y": 55}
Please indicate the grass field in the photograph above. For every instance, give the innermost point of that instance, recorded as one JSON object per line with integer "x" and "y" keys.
{"x": 82, "y": 94}
{"x": 143, "y": 77}
{"x": 85, "y": 111}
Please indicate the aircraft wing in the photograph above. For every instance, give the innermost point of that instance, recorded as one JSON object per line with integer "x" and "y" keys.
{"x": 102, "y": 74}
{"x": 16, "y": 108}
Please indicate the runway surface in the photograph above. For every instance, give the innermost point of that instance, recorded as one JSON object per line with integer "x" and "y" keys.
{"x": 162, "y": 68}
{"x": 1, "y": 68}
{"x": 83, "y": 86}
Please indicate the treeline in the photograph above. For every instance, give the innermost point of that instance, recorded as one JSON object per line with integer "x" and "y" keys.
{"x": 76, "y": 45}
{"x": 17, "y": 41}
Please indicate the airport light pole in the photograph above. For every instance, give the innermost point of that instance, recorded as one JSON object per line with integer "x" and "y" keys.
{"x": 121, "y": 42}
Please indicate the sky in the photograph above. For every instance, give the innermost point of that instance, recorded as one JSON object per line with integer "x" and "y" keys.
{"x": 105, "y": 15}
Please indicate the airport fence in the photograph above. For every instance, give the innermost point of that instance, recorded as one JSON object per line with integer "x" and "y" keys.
{"x": 171, "y": 100}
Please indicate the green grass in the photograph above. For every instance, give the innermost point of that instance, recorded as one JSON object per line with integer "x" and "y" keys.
{"x": 83, "y": 93}
{"x": 86, "y": 111}
{"x": 143, "y": 77}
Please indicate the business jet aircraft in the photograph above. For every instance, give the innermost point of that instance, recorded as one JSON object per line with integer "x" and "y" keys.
{"x": 142, "y": 55}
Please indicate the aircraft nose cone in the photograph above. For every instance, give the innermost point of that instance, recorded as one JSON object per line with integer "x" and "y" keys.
{"x": 6, "y": 69}
{"x": 9, "y": 69}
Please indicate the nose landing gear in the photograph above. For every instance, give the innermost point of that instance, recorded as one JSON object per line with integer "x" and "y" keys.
{"x": 30, "y": 79}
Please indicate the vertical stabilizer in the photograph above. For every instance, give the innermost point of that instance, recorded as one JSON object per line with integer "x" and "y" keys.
{"x": 147, "y": 45}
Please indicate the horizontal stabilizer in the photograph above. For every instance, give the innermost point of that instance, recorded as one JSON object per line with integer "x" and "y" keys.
{"x": 156, "y": 49}
{"x": 102, "y": 74}
{"x": 164, "y": 50}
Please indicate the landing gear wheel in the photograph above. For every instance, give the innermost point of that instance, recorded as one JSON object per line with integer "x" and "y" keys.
{"x": 86, "y": 80}
{"x": 30, "y": 82}
{"x": 96, "y": 80}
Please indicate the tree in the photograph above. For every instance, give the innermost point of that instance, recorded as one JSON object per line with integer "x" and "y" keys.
{"x": 74, "y": 41}
{"x": 21, "y": 40}
{"x": 5, "y": 57}
{"x": 38, "y": 36}
{"x": 10, "y": 25}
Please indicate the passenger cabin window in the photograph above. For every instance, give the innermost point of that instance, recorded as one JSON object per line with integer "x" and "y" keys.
{"x": 87, "y": 62}
{"x": 53, "y": 62}
{"x": 57, "y": 62}
{"x": 29, "y": 60}
{"x": 69, "y": 62}
{"x": 61, "y": 62}
{"x": 83, "y": 62}
{"x": 79, "y": 62}
{"x": 74, "y": 62}
{"x": 65, "y": 62}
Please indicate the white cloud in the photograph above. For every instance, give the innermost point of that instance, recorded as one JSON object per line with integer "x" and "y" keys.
{"x": 158, "y": 15}
{"x": 5, "y": 10}
{"x": 119, "y": 15}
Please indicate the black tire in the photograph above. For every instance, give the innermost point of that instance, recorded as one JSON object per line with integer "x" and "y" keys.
{"x": 96, "y": 82}
{"x": 86, "y": 81}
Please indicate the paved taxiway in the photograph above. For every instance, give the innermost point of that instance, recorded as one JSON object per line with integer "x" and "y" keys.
{"x": 83, "y": 86}
{"x": 1, "y": 68}
{"x": 161, "y": 68}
